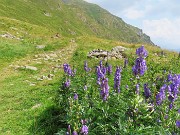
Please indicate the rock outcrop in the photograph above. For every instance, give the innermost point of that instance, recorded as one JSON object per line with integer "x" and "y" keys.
{"x": 116, "y": 53}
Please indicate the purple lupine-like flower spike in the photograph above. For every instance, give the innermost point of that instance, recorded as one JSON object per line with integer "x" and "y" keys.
{"x": 101, "y": 64}
{"x": 65, "y": 66}
{"x": 178, "y": 123}
{"x": 109, "y": 69}
{"x": 67, "y": 70}
{"x": 161, "y": 95}
{"x": 100, "y": 72}
{"x": 141, "y": 52}
{"x": 147, "y": 91}
{"x": 74, "y": 133}
{"x": 86, "y": 68}
{"x": 104, "y": 89}
{"x": 169, "y": 77}
{"x": 117, "y": 79}
{"x": 75, "y": 96}
{"x": 140, "y": 67}
{"x": 173, "y": 88}
{"x": 84, "y": 130}
{"x": 67, "y": 83}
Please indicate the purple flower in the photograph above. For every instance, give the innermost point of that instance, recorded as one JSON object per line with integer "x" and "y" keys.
{"x": 67, "y": 70}
{"x": 171, "y": 106}
{"x": 147, "y": 91}
{"x": 161, "y": 95}
{"x": 117, "y": 79}
{"x": 84, "y": 130}
{"x": 173, "y": 88}
{"x": 166, "y": 117}
{"x": 178, "y": 123}
{"x": 140, "y": 67}
{"x": 74, "y": 133}
{"x": 100, "y": 72}
{"x": 86, "y": 68}
{"x": 75, "y": 96}
{"x": 67, "y": 83}
{"x": 83, "y": 122}
{"x": 141, "y": 52}
{"x": 169, "y": 77}
{"x": 104, "y": 89}
{"x": 66, "y": 67}
{"x": 109, "y": 69}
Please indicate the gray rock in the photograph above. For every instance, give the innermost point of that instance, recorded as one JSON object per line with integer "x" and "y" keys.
{"x": 118, "y": 49}
{"x": 40, "y": 46}
{"x": 31, "y": 68}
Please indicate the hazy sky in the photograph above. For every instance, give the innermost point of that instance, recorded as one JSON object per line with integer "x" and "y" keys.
{"x": 160, "y": 19}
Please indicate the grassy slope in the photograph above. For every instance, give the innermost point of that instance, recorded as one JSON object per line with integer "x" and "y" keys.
{"x": 72, "y": 19}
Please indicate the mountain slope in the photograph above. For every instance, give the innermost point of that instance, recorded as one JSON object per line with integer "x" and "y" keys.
{"x": 72, "y": 18}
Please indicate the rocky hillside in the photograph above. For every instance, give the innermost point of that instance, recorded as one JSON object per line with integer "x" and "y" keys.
{"x": 70, "y": 18}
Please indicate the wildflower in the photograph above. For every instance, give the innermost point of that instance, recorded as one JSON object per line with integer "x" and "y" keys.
{"x": 178, "y": 123}
{"x": 141, "y": 52}
{"x": 66, "y": 67}
{"x": 86, "y": 68}
{"x": 75, "y": 96}
{"x": 109, "y": 69}
{"x": 67, "y": 83}
{"x": 170, "y": 106}
{"x": 104, "y": 89}
{"x": 117, "y": 79}
{"x": 84, "y": 130}
{"x": 67, "y": 70}
{"x": 100, "y": 72}
{"x": 147, "y": 91}
{"x": 74, "y": 133}
{"x": 83, "y": 122}
{"x": 161, "y": 95}
{"x": 140, "y": 67}
{"x": 166, "y": 117}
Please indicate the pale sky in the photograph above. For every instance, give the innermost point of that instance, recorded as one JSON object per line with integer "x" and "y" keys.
{"x": 160, "y": 19}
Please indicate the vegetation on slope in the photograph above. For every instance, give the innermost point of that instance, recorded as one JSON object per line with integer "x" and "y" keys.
{"x": 73, "y": 18}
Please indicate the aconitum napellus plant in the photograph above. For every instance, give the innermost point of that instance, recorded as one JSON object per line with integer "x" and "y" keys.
{"x": 104, "y": 92}
{"x": 117, "y": 79}
{"x": 140, "y": 64}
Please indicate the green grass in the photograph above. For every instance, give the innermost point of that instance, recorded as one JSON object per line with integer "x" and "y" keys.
{"x": 72, "y": 19}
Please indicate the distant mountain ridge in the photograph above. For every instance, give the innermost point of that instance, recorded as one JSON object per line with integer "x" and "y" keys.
{"x": 73, "y": 18}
